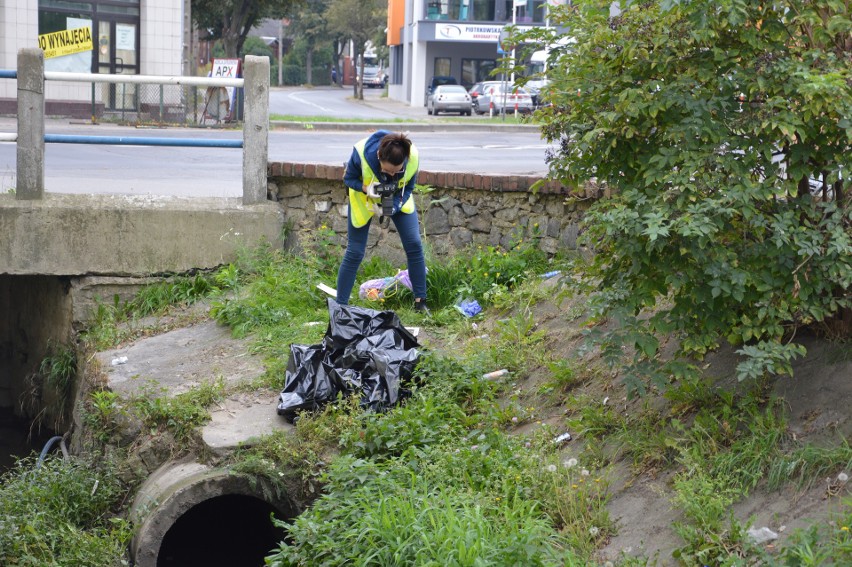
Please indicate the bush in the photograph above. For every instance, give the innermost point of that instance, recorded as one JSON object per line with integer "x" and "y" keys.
{"x": 59, "y": 515}
{"x": 722, "y": 131}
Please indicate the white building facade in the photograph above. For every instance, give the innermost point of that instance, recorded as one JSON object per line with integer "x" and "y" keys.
{"x": 457, "y": 38}
{"x": 93, "y": 36}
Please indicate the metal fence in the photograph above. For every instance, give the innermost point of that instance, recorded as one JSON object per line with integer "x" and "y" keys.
{"x": 122, "y": 94}
{"x": 177, "y": 105}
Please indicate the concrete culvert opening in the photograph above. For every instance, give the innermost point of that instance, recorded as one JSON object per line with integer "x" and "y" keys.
{"x": 190, "y": 514}
{"x": 231, "y": 530}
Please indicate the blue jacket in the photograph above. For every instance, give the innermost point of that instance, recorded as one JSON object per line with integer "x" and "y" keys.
{"x": 352, "y": 177}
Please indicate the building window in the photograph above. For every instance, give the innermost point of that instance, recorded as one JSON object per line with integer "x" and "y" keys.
{"x": 475, "y": 70}
{"x": 532, "y": 11}
{"x": 483, "y": 10}
{"x": 462, "y": 10}
{"x": 442, "y": 67}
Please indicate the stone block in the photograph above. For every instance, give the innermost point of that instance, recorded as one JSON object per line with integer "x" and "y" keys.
{"x": 569, "y": 236}
{"x": 461, "y": 237}
{"x": 436, "y": 221}
{"x": 553, "y": 228}
{"x": 481, "y": 222}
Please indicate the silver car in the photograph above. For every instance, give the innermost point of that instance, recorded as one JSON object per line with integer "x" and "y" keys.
{"x": 498, "y": 95}
{"x": 448, "y": 98}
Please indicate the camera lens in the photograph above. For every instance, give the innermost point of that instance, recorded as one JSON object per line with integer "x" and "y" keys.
{"x": 387, "y": 205}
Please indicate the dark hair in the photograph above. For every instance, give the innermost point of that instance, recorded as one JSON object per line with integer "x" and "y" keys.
{"x": 394, "y": 148}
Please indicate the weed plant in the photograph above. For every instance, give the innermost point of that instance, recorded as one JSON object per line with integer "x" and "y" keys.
{"x": 441, "y": 480}
{"x": 180, "y": 414}
{"x": 59, "y": 369}
{"x": 107, "y": 328}
{"x": 61, "y": 514}
{"x": 805, "y": 463}
{"x": 438, "y": 481}
{"x": 101, "y": 413}
{"x": 821, "y": 545}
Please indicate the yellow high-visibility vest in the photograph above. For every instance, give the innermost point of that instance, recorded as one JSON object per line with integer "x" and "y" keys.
{"x": 361, "y": 206}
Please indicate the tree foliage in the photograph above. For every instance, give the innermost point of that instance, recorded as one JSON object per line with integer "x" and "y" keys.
{"x": 358, "y": 21}
{"x": 232, "y": 20}
{"x": 310, "y": 27}
{"x": 721, "y": 130}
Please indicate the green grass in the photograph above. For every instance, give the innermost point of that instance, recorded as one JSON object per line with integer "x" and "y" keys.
{"x": 334, "y": 119}
{"x": 59, "y": 369}
{"x": 109, "y": 324}
{"x": 180, "y": 414}
{"x": 62, "y": 514}
{"x": 445, "y": 477}
{"x": 496, "y": 119}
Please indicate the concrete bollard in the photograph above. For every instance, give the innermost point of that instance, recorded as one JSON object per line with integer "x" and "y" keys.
{"x": 255, "y": 129}
{"x": 30, "y": 156}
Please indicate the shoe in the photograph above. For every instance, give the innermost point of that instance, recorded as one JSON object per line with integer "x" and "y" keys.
{"x": 421, "y": 307}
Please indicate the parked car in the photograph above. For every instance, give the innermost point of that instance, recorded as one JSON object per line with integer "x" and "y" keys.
{"x": 439, "y": 80}
{"x": 535, "y": 88}
{"x": 501, "y": 95}
{"x": 474, "y": 93}
{"x": 448, "y": 98}
{"x": 374, "y": 77}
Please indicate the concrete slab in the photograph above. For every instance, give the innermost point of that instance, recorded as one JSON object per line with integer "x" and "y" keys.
{"x": 179, "y": 360}
{"x": 241, "y": 419}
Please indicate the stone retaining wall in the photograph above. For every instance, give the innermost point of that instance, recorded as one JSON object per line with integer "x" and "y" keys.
{"x": 457, "y": 210}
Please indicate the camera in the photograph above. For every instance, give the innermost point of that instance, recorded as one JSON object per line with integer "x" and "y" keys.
{"x": 386, "y": 192}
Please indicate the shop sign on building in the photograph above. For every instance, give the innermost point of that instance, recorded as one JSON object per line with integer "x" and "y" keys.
{"x": 471, "y": 32}
{"x": 65, "y": 42}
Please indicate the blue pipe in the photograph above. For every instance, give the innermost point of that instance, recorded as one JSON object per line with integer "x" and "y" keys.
{"x": 50, "y": 444}
{"x": 140, "y": 141}
{"x": 8, "y": 74}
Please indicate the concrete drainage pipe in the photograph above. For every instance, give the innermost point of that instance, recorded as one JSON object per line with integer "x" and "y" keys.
{"x": 192, "y": 514}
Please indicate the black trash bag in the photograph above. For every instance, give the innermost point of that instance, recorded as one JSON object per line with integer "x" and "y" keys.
{"x": 363, "y": 350}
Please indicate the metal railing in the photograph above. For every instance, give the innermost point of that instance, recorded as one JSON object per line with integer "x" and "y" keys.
{"x": 31, "y": 137}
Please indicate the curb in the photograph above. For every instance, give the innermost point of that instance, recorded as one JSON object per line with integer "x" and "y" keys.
{"x": 407, "y": 126}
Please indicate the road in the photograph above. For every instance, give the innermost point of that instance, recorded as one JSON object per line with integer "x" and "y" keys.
{"x": 217, "y": 172}
{"x": 335, "y": 103}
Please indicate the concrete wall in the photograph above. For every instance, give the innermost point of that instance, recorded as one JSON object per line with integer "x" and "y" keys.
{"x": 461, "y": 210}
{"x": 161, "y": 23}
{"x": 18, "y": 29}
{"x": 61, "y": 253}
{"x": 34, "y": 311}
{"x": 128, "y": 235}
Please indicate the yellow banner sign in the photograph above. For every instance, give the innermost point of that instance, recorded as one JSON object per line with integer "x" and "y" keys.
{"x": 66, "y": 42}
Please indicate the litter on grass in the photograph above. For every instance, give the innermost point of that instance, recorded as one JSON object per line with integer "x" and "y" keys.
{"x": 364, "y": 351}
{"x": 468, "y": 307}
{"x": 383, "y": 288}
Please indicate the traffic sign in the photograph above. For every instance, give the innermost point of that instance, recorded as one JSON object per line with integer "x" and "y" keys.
{"x": 501, "y": 41}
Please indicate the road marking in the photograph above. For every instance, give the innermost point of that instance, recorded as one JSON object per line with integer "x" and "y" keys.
{"x": 295, "y": 96}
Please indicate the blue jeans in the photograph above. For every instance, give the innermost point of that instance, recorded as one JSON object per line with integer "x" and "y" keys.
{"x": 408, "y": 227}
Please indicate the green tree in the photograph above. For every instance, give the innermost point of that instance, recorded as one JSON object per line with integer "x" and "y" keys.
{"x": 720, "y": 133}
{"x": 256, "y": 46}
{"x": 358, "y": 21}
{"x": 232, "y": 20}
{"x": 311, "y": 28}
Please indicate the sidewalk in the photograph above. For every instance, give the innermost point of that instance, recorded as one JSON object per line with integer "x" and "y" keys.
{"x": 416, "y": 120}
{"x": 420, "y": 121}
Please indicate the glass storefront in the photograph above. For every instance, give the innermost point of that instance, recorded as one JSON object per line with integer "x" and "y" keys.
{"x": 113, "y": 31}
{"x": 531, "y": 11}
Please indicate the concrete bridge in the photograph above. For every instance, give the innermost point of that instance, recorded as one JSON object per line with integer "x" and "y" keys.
{"x": 59, "y": 252}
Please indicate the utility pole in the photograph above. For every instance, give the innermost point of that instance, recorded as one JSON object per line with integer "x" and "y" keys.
{"x": 188, "y": 66}
{"x": 280, "y": 51}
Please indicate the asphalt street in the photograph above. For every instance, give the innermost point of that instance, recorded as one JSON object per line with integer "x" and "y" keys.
{"x": 217, "y": 172}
